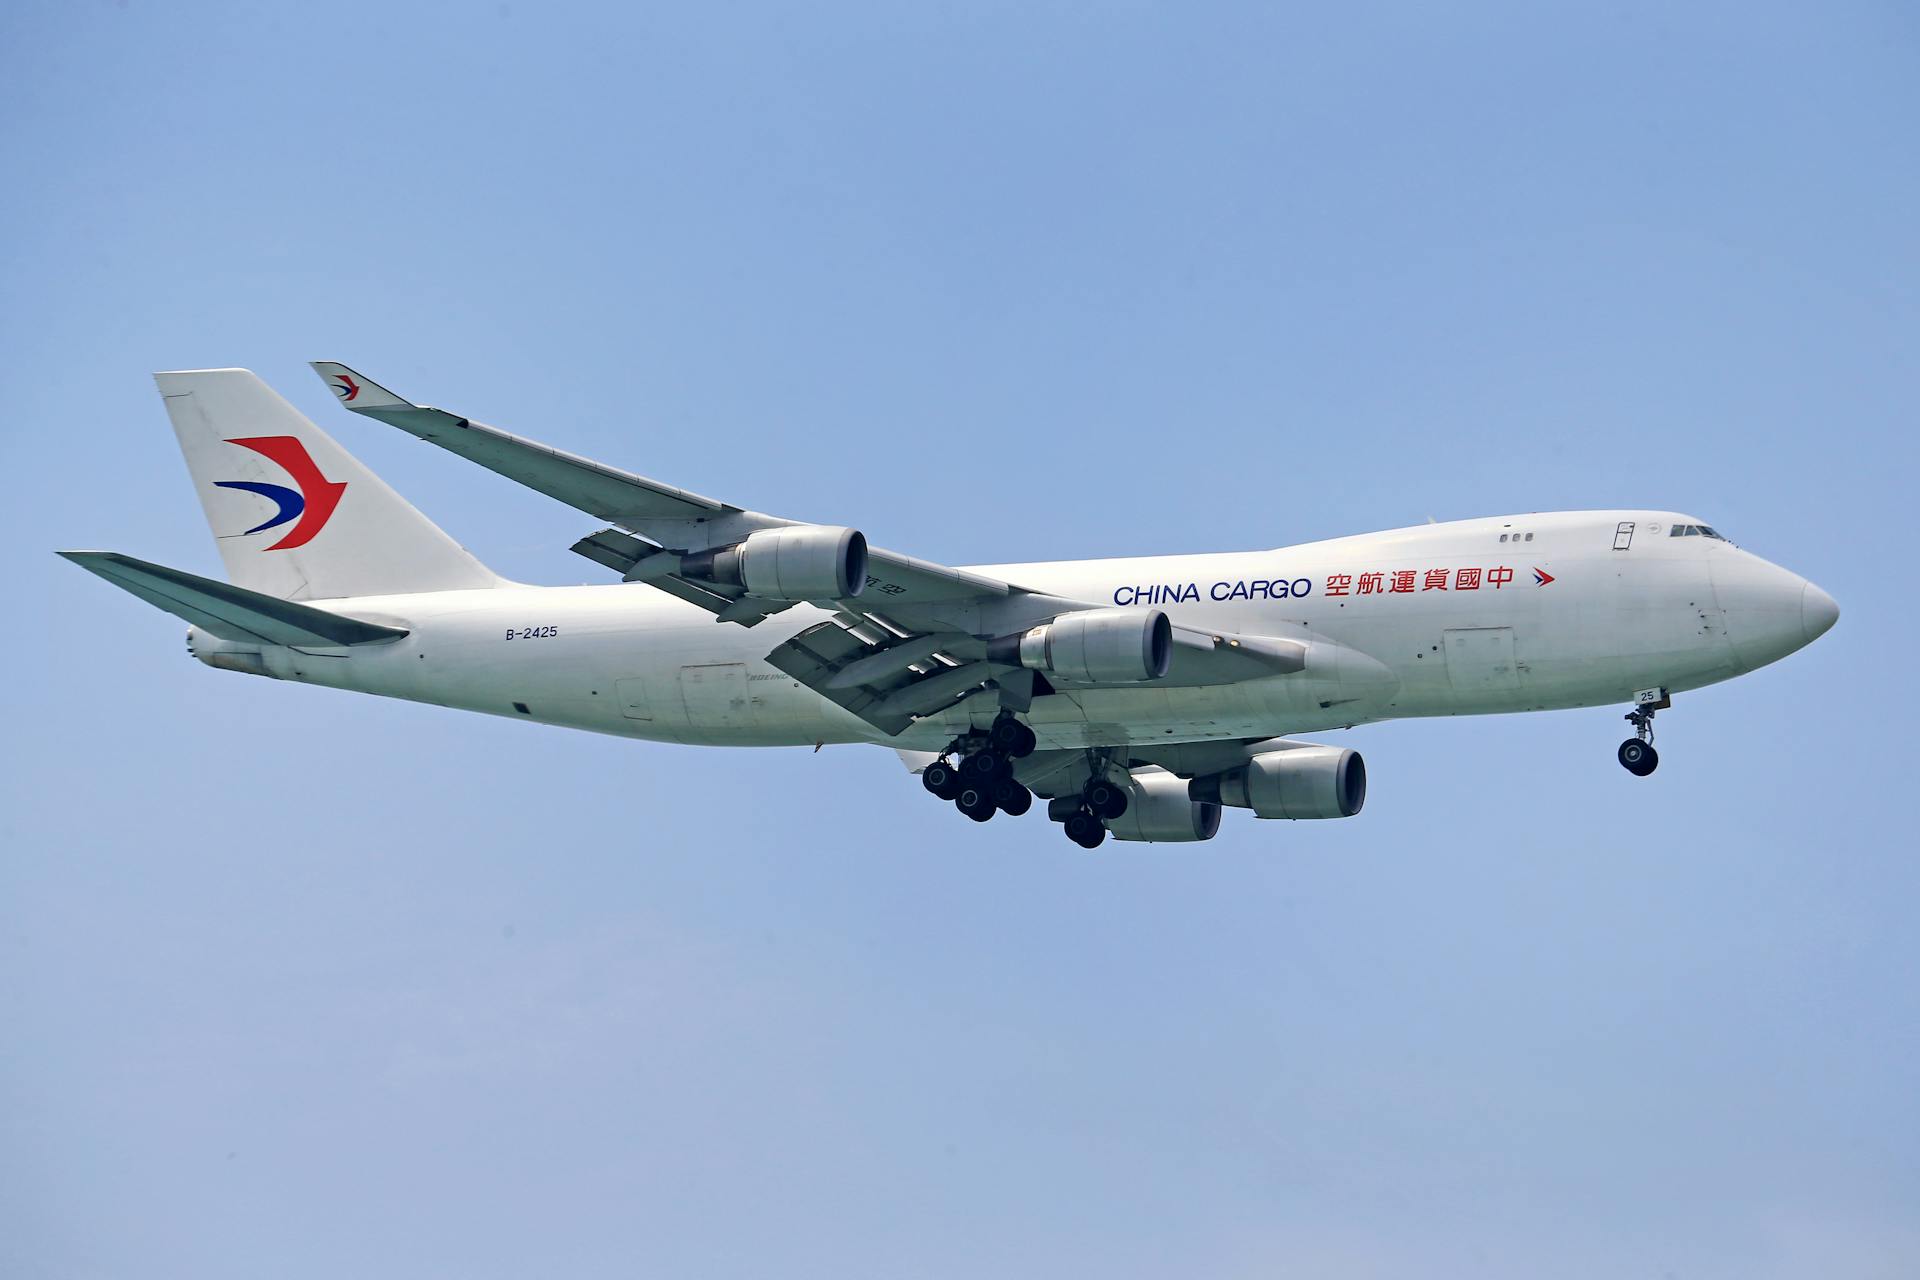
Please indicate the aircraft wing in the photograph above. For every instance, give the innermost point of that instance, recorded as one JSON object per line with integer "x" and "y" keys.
{"x": 908, "y": 639}
{"x": 662, "y": 515}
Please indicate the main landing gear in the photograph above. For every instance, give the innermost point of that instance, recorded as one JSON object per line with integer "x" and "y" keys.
{"x": 1637, "y": 755}
{"x": 982, "y": 784}
{"x": 1086, "y": 815}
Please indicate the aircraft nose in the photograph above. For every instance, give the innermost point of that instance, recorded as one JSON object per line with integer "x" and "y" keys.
{"x": 1770, "y": 611}
{"x": 1818, "y": 612}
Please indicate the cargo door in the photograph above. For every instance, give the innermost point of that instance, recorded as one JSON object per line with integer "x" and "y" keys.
{"x": 1480, "y": 660}
{"x": 716, "y": 696}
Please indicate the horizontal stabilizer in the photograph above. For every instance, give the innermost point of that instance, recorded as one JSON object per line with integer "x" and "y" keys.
{"x": 227, "y": 611}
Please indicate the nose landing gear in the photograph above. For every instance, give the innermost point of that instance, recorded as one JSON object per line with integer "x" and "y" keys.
{"x": 1637, "y": 755}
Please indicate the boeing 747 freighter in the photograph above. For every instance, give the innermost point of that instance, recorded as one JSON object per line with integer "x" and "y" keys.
{"x": 1136, "y": 697}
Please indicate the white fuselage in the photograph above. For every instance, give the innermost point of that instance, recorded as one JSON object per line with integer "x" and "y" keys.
{"x": 1566, "y": 610}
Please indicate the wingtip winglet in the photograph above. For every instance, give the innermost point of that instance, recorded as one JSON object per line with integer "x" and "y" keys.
{"x": 355, "y": 390}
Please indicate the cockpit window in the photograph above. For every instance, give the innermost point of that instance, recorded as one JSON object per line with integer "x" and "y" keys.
{"x": 1693, "y": 531}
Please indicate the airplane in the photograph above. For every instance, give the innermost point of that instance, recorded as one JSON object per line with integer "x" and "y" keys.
{"x": 1136, "y": 697}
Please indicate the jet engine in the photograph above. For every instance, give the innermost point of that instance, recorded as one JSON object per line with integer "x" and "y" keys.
{"x": 1162, "y": 811}
{"x": 1301, "y": 782}
{"x": 797, "y": 562}
{"x": 1093, "y": 646}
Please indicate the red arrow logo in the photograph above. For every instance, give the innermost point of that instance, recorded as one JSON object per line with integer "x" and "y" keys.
{"x": 318, "y": 495}
{"x": 1541, "y": 577}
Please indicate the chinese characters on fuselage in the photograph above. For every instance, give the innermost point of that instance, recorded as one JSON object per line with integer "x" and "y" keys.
{"x": 1400, "y": 582}
{"x": 1392, "y": 582}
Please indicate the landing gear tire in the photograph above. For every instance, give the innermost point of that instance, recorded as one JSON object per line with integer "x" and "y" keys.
{"x": 1638, "y": 758}
{"x": 976, "y": 802}
{"x": 1085, "y": 830}
{"x": 1011, "y": 798}
{"x": 1011, "y": 738}
{"x": 942, "y": 779}
{"x": 1105, "y": 800}
{"x": 985, "y": 766}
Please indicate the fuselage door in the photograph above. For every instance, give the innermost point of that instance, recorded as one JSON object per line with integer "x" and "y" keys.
{"x": 1480, "y": 660}
{"x": 1623, "y": 535}
{"x": 634, "y": 702}
{"x": 716, "y": 695}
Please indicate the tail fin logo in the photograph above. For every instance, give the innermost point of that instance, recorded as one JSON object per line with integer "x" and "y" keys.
{"x": 310, "y": 502}
{"x": 344, "y": 386}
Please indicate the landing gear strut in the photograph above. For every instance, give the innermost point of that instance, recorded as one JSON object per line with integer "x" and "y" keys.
{"x": 1637, "y": 755}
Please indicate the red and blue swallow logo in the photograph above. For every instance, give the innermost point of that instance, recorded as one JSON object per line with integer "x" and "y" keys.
{"x": 1541, "y": 577}
{"x": 345, "y": 387}
{"x": 311, "y": 501}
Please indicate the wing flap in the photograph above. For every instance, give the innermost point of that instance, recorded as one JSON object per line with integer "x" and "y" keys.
{"x": 638, "y": 560}
{"x": 616, "y": 550}
{"x": 813, "y": 656}
{"x": 888, "y": 680}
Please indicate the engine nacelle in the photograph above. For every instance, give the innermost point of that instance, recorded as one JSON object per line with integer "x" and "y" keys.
{"x": 1094, "y": 646}
{"x": 797, "y": 562}
{"x": 1302, "y": 782}
{"x": 1160, "y": 810}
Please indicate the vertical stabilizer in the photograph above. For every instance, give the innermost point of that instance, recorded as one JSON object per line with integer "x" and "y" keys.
{"x": 294, "y": 514}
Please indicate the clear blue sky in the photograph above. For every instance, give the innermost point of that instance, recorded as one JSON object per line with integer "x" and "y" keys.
{"x": 304, "y": 985}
